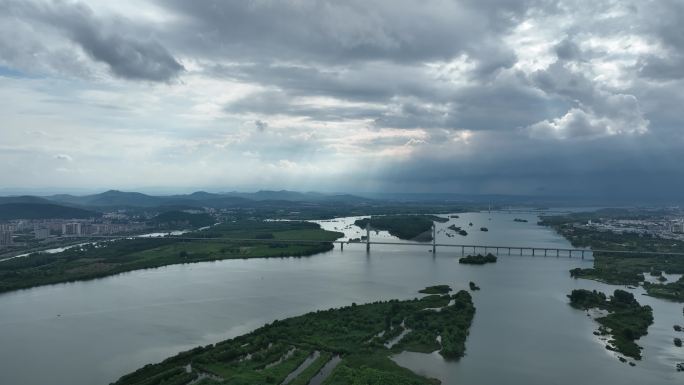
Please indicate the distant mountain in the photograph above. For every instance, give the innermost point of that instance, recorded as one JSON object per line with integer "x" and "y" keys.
{"x": 23, "y": 199}
{"x": 110, "y": 198}
{"x": 295, "y": 196}
{"x": 114, "y": 198}
{"x": 43, "y": 211}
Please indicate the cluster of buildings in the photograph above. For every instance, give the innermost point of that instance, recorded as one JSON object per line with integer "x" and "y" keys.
{"x": 44, "y": 229}
{"x": 87, "y": 228}
{"x": 6, "y": 235}
{"x": 664, "y": 228}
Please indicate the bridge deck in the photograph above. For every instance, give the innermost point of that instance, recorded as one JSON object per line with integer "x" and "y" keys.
{"x": 509, "y": 248}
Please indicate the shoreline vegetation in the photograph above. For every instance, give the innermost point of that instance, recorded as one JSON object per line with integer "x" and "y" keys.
{"x": 478, "y": 259}
{"x": 356, "y": 341}
{"x": 626, "y": 321}
{"x": 623, "y": 269}
{"x": 102, "y": 259}
{"x": 406, "y": 227}
{"x": 438, "y": 289}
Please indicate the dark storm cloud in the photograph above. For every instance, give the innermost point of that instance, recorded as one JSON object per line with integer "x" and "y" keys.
{"x": 119, "y": 44}
{"x": 568, "y": 50}
{"x": 515, "y": 103}
{"x": 629, "y": 170}
{"x": 340, "y": 32}
{"x": 666, "y": 29}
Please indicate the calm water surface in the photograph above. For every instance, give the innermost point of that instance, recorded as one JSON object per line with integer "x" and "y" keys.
{"x": 90, "y": 333}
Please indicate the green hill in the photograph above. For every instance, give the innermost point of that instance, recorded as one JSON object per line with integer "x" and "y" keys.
{"x": 43, "y": 211}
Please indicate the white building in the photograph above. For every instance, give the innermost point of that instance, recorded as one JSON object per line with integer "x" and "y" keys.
{"x": 41, "y": 233}
{"x": 71, "y": 228}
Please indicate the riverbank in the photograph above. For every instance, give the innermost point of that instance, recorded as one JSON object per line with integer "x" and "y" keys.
{"x": 624, "y": 269}
{"x": 99, "y": 260}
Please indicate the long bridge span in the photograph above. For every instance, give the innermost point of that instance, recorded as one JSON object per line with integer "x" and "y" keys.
{"x": 527, "y": 250}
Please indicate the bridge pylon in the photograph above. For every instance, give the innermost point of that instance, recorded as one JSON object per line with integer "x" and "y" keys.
{"x": 434, "y": 238}
{"x": 368, "y": 236}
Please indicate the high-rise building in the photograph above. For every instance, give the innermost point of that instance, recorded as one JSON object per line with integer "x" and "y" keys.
{"x": 5, "y": 237}
{"x": 41, "y": 233}
{"x": 7, "y": 227}
{"x": 71, "y": 228}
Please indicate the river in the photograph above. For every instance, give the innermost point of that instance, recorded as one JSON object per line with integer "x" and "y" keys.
{"x": 524, "y": 332}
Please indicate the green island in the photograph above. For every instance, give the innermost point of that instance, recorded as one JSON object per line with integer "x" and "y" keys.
{"x": 624, "y": 268}
{"x": 458, "y": 229}
{"x": 478, "y": 259}
{"x": 626, "y": 322}
{"x": 437, "y": 289}
{"x": 102, "y": 259}
{"x": 408, "y": 227}
{"x": 473, "y": 286}
{"x": 354, "y": 343}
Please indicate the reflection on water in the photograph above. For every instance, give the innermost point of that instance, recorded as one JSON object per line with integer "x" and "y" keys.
{"x": 524, "y": 332}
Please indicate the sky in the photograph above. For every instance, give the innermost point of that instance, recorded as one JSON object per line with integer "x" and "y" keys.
{"x": 531, "y": 97}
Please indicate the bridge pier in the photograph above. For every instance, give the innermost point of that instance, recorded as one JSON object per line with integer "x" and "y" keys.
{"x": 557, "y": 253}
{"x": 368, "y": 236}
{"x": 545, "y": 250}
{"x": 341, "y": 246}
{"x": 533, "y": 252}
{"x": 463, "y": 250}
{"x": 582, "y": 254}
{"x": 434, "y": 238}
{"x": 521, "y": 251}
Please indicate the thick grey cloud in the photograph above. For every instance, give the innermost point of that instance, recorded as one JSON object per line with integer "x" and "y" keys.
{"x": 470, "y": 95}
{"x": 333, "y": 31}
{"x": 666, "y": 29}
{"x": 118, "y": 44}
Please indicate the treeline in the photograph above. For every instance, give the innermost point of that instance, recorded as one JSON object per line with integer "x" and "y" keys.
{"x": 403, "y": 226}
{"x": 626, "y": 322}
